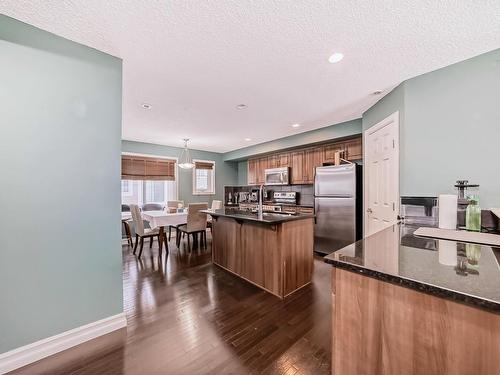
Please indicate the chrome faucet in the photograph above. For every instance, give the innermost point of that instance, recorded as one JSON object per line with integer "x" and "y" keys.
{"x": 261, "y": 188}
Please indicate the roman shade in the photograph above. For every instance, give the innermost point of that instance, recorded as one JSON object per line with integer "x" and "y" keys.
{"x": 144, "y": 168}
{"x": 203, "y": 165}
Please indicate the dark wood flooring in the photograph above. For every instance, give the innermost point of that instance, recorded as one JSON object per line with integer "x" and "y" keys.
{"x": 187, "y": 316}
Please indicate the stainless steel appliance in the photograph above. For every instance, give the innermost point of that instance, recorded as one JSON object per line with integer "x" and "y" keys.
{"x": 277, "y": 176}
{"x": 337, "y": 206}
{"x": 288, "y": 197}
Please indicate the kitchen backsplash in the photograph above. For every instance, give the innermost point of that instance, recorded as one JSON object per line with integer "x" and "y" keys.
{"x": 305, "y": 193}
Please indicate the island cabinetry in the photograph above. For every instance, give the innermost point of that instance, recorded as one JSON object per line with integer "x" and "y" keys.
{"x": 277, "y": 257}
{"x": 382, "y": 328}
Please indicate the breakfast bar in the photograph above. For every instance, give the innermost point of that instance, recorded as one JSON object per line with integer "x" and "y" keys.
{"x": 273, "y": 251}
{"x": 406, "y": 304}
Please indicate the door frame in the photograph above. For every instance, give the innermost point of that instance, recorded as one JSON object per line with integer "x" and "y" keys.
{"x": 389, "y": 119}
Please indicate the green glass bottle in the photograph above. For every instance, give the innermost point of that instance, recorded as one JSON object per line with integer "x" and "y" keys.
{"x": 473, "y": 215}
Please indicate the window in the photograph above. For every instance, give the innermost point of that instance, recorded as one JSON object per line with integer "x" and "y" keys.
{"x": 141, "y": 192}
{"x": 203, "y": 177}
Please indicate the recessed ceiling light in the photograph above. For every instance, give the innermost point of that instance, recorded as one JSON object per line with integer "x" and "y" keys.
{"x": 295, "y": 125}
{"x": 377, "y": 92}
{"x": 248, "y": 139}
{"x": 241, "y": 106}
{"x": 336, "y": 57}
{"x": 146, "y": 106}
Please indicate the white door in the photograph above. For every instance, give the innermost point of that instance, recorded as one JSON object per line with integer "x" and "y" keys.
{"x": 381, "y": 143}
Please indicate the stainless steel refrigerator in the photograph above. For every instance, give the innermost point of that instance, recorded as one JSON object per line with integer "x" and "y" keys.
{"x": 338, "y": 207}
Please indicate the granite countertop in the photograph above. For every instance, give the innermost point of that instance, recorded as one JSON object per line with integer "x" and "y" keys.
{"x": 267, "y": 218}
{"x": 463, "y": 272}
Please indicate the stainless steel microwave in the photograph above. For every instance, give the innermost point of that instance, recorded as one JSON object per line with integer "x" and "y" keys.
{"x": 277, "y": 176}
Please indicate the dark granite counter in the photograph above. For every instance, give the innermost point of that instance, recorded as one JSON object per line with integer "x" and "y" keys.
{"x": 267, "y": 218}
{"x": 463, "y": 272}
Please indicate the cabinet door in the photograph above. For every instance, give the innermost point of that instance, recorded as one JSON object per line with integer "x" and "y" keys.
{"x": 312, "y": 159}
{"x": 252, "y": 172}
{"x": 283, "y": 160}
{"x": 354, "y": 149}
{"x": 262, "y": 166}
{"x": 272, "y": 161}
{"x": 330, "y": 150}
{"x": 297, "y": 167}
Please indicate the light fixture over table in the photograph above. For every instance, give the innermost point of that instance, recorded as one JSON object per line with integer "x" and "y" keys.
{"x": 185, "y": 161}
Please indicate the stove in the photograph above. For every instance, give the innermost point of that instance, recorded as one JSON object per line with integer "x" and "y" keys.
{"x": 285, "y": 197}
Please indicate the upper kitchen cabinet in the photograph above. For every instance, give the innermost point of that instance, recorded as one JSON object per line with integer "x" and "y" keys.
{"x": 297, "y": 168}
{"x": 330, "y": 150}
{"x": 252, "y": 171}
{"x": 354, "y": 149}
{"x": 313, "y": 157}
{"x": 283, "y": 160}
{"x": 303, "y": 161}
{"x": 262, "y": 165}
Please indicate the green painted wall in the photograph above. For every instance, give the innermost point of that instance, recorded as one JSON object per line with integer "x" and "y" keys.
{"x": 343, "y": 129}
{"x": 452, "y": 129}
{"x": 449, "y": 128}
{"x": 243, "y": 172}
{"x": 60, "y": 258}
{"x": 226, "y": 173}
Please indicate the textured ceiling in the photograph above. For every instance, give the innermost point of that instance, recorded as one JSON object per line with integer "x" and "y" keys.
{"x": 194, "y": 61}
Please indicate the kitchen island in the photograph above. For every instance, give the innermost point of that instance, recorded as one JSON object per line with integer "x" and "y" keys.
{"x": 273, "y": 251}
{"x": 404, "y": 304}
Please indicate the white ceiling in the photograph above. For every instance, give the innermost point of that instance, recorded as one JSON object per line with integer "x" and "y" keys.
{"x": 194, "y": 61}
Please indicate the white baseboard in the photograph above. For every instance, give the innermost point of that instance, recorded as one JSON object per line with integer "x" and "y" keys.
{"x": 30, "y": 353}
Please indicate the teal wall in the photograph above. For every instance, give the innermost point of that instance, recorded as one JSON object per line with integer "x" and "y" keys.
{"x": 60, "y": 257}
{"x": 343, "y": 129}
{"x": 452, "y": 129}
{"x": 226, "y": 173}
{"x": 243, "y": 172}
{"x": 449, "y": 128}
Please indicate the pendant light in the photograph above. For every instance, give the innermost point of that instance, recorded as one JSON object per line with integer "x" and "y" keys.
{"x": 185, "y": 161}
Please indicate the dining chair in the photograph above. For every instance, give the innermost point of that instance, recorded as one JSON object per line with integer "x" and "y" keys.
{"x": 172, "y": 207}
{"x": 196, "y": 223}
{"x": 216, "y": 205}
{"x": 152, "y": 207}
{"x": 126, "y": 226}
{"x": 140, "y": 231}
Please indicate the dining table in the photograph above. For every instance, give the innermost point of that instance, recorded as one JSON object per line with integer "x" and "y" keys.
{"x": 160, "y": 219}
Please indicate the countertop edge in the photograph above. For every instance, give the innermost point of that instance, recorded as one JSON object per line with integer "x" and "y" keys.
{"x": 263, "y": 221}
{"x": 472, "y": 301}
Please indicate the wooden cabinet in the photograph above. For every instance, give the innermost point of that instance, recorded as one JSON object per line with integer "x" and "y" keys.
{"x": 252, "y": 171}
{"x": 330, "y": 150}
{"x": 297, "y": 167}
{"x": 283, "y": 160}
{"x": 313, "y": 158}
{"x": 272, "y": 161}
{"x": 261, "y": 167}
{"x": 302, "y": 162}
{"x": 305, "y": 210}
{"x": 354, "y": 149}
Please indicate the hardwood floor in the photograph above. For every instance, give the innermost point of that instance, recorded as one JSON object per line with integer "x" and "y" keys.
{"x": 188, "y": 316}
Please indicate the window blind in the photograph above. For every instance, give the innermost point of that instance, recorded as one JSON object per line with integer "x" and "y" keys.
{"x": 143, "y": 168}
{"x": 203, "y": 165}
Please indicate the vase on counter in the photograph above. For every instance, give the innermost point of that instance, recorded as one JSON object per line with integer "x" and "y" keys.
{"x": 473, "y": 215}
